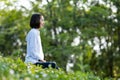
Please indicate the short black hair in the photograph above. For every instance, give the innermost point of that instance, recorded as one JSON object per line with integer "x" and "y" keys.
{"x": 35, "y": 21}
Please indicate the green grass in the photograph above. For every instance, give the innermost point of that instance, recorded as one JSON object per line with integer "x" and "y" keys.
{"x": 16, "y": 69}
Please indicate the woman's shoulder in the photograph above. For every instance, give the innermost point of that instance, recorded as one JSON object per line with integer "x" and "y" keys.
{"x": 32, "y": 31}
{"x": 31, "y": 34}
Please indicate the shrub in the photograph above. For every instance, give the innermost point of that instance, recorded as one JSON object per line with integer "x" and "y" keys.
{"x": 16, "y": 69}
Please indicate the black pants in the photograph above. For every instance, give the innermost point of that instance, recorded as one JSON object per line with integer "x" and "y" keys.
{"x": 47, "y": 64}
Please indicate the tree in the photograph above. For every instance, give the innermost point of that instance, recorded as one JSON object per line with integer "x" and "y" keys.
{"x": 92, "y": 23}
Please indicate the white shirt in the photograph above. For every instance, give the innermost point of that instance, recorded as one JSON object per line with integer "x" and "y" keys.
{"x": 34, "y": 47}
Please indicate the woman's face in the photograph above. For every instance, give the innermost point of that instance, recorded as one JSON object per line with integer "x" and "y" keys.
{"x": 41, "y": 21}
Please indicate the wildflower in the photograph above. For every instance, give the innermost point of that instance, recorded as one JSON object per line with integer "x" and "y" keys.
{"x": 11, "y": 71}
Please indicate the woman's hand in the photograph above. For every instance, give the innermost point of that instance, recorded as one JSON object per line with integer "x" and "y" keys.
{"x": 43, "y": 60}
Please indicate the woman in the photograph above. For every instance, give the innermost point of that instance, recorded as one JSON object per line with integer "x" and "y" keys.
{"x": 34, "y": 47}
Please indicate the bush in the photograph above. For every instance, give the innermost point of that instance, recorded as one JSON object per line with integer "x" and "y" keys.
{"x": 16, "y": 69}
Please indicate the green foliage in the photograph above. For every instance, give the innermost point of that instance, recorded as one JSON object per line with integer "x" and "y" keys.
{"x": 64, "y": 21}
{"x": 15, "y": 69}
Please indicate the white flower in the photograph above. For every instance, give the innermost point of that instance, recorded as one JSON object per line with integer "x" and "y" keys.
{"x": 37, "y": 76}
{"x": 44, "y": 75}
{"x": 11, "y": 71}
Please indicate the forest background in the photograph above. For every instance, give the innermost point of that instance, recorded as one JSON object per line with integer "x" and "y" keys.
{"x": 87, "y": 30}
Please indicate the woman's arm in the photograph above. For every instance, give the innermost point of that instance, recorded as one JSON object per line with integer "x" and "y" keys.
{"x": 35, "y": 47}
